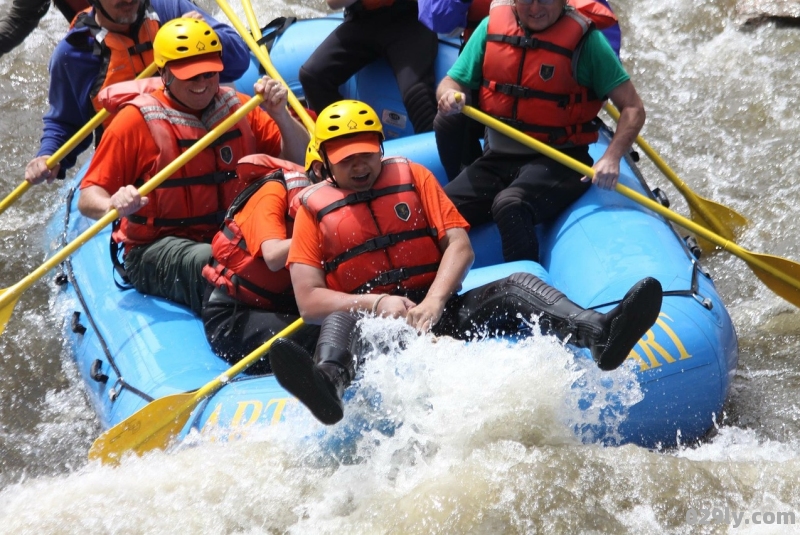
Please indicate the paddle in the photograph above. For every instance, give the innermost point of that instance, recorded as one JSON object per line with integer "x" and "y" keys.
{"x": 9, "y": 296}
{"x": 780, "y": 275}
{"x": 716, "y": 217}
{"x": 263, "y": 56}
{"x": 155, "y": 425}
{"x": 73, "y": 142}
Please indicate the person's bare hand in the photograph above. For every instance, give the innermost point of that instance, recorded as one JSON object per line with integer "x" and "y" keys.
{"x": 127, "y": 201}
{"x": 275, "y": 94}
{"x": 37, "y": 172}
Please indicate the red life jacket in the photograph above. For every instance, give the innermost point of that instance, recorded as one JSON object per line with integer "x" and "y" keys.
{"x": 123, "y": 57}
{"x": 599, "y": 14}
{"x": 375, "y": 241}
{"x": 530, "y": 82}
{"x": 478, "y": 10}
{"x": 192, "y": 202}
{"x": 244, "y": 276}
{"x": 375, "y": 4}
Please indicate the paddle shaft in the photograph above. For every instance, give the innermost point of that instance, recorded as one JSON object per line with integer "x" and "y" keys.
{"x": 70, "y": 145}
{"x": 558, "y": 156}
{"x": 694, "y": 201}
{"x": 10, "y": 295}
{"x": 263, "y": 57}
{"x": 133, "y": 433}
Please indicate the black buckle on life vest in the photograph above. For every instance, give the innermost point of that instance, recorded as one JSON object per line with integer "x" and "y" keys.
{"x": 361, "y": 196}
{"x": 529, "y": 42}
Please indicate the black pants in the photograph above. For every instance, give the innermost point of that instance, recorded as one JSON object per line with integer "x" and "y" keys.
{"x": 234, "y": 329}
{"x": 517, "y": 192}
{"x": 391, "y": 33}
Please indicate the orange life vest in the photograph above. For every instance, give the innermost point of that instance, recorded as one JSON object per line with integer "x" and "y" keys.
{"x": 375, "y": 241}
{"x": 530, "y": 82}
{"x": 244, "y": 276}
{"x": 599, "y": 14}
{"x": 478, "y": 10}
{"x": 192, "y": 202}
{"x": 123, "y": 57}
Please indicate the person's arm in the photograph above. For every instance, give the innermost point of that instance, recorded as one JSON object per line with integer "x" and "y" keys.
{"x": 294, "y": 136}
{"x": 20, "y": 20}
{"x": 95, "y": 202}
{"x": 600, "y": 69}
{"x": 315, "y": 300}
{"x": 465, "y": 74}
{"x": 235, "y": 54}
{"x": 72, "y": 71}
{"x": 275, "y": 253}
{"x": 631, "y": 120}
{"x": 124, "y": 154}
{"x": 457, "y": 258}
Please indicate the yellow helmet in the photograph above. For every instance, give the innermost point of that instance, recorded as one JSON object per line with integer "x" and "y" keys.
{"x": 312, "y": 155}
{"x": 344, "y": 118}
{"x": 184, "y": 38}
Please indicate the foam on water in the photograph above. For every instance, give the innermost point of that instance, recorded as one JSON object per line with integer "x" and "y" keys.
{"x": 450, "y": 416}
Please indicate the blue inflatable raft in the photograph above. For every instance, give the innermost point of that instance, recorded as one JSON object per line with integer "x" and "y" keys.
{"x": 131, "y": 349}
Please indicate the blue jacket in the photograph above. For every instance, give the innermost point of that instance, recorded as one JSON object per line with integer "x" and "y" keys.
{"x": 73, "y": 70}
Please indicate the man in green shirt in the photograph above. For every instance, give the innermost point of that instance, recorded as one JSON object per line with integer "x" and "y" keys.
{"x": 543, "y": 69}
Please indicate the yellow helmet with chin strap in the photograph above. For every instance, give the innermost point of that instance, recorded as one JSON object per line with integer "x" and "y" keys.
{"x": 312, "y": 155}
{"x": 184, "y": 38}
{"x": 344, "y": 118}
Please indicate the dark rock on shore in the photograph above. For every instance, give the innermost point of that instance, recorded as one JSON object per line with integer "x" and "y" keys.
{"x": 752, "y": 13}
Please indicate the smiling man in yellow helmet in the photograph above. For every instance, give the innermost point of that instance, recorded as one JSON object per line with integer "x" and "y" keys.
{"x": 166, "y": 235}
{"x": 380, "y": 237}
{"x": 109, "y": 43}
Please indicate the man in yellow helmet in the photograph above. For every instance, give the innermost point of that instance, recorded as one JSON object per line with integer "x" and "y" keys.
{"x": 111, "y": 42}
{"x": 380, "y": 237}
{"x": 166, "y": 235}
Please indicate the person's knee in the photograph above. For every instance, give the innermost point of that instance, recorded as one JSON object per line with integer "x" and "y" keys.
{"x": 420, "y": 103}
{"x": 307, "y": 75}
{"x": 509, "y": 203}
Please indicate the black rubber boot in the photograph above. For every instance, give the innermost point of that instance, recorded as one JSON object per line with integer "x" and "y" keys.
{"x": 319, "y": 386}
{"x": 610, "y": 336}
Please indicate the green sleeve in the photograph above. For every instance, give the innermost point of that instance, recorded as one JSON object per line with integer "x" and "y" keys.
{"x": 468, "y": 68}
{"x": 599, "y": 67}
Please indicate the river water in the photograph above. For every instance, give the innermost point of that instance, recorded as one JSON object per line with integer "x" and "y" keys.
{"x": 722, "y": 110}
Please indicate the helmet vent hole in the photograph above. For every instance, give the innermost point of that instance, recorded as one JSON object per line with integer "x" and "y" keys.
{"x": 183, "y": 49}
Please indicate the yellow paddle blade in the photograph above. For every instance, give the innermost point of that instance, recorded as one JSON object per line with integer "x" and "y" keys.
{"x": 5, "y": 312}
{"x": 780, "y": 275}
{"x": 729, "y": 220}
{"x": 157, "y": 424}
{"x": 154, "y": 426}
